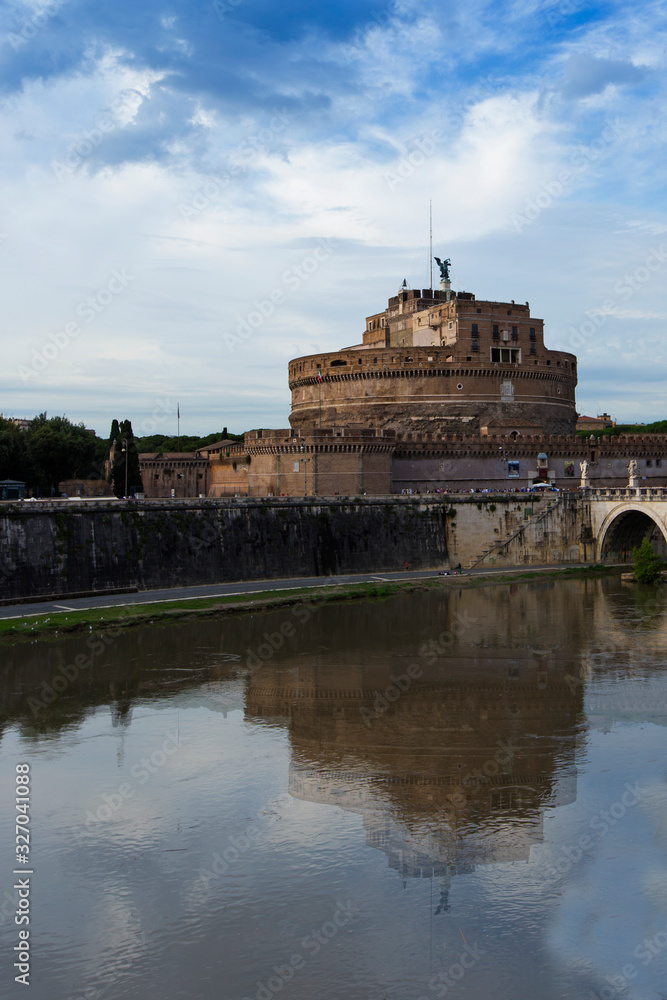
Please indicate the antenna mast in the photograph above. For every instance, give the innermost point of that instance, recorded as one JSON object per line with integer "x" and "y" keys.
{"x": 430, "y": 240}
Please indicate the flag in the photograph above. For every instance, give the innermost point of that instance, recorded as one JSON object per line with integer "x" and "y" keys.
{"x": 319, "y": 374}
{"x": 178, "y": 410}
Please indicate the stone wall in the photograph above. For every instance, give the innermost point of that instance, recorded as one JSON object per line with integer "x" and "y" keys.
{"x": 67, "y": 548}
{"x": 427, "y": 389}
{"x": 323, "y": 463}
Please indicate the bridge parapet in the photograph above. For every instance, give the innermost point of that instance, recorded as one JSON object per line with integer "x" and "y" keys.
{"x": 626, "y": 493}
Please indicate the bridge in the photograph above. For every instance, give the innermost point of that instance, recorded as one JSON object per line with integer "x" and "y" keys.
{"x": 579, "y": 526}
{"x": 620, "y": 519}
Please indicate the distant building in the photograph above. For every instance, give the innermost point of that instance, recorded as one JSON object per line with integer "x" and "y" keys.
{"x": 21, "y": 422}
{"x": 599, "y": 423}
{"x": 85, "y": 488}
{"x": 11, "y": 489}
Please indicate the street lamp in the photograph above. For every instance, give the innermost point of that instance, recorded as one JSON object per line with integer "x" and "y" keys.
{"x": 124, "y": 449}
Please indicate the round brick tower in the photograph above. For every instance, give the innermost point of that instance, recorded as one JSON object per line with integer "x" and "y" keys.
{"x": 439, "y": 362}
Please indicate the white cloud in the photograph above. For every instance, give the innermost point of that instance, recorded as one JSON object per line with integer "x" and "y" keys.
{"x": 355, "y": 159}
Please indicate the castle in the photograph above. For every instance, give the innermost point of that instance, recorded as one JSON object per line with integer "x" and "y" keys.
{"x": 445, "y": 392}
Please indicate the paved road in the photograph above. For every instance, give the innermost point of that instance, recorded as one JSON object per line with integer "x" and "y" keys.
{"x": 227, "y": 590}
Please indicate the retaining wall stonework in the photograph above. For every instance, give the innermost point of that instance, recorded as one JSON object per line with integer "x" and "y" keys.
{"x": 73, "y": 547}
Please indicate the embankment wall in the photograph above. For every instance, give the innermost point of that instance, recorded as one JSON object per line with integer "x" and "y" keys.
{"x": 70, "y": 547}
{"x": 66, "y": 548}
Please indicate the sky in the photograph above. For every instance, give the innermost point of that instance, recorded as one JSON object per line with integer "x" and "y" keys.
{"x": 195, "y": 193}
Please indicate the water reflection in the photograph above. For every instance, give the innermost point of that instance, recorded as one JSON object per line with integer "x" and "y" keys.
{"x": 442, "y": 753}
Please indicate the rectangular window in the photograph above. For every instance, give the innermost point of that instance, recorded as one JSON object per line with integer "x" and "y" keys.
{"x": 510, "y": 355}
{"x": 515, "y": 330}
{"x": 649, "y": 463}
{"x": 475, "y": 330}
{"x": 532, "y": 333}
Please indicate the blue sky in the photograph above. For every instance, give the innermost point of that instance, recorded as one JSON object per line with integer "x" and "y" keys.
{"x": 169, "y": 168}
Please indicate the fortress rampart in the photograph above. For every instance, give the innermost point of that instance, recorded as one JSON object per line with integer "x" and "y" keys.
{"x": 428, "y": 389}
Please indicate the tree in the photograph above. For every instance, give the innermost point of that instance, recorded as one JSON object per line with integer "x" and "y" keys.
{"x": 125, "y": 461}
{"x": 57, "y": 449}
{"x": 13, "y": 452}
{"x": 647, "y": 565}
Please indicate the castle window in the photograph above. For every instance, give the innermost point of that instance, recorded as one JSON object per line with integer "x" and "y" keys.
{"x": 479, "y": 310}
{"x": 508, "y": 355}
{"x": 496, "y": 332}
{"x": 532, "y": 333}
{"x": 475, "y": 330}
{"x": 533, "y": 349}
{"x": 515, "y": 333}
{"x": 548, "y": 362}
{"x": 658, "y": 463}
{"x": 475, "y": 345}
{"x": 509, "y": 312}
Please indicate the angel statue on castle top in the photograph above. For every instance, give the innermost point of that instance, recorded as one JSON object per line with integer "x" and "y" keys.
{"x": 444, "y": 266}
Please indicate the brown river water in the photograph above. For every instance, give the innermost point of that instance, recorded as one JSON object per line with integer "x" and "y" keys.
{"x": 455, "y": 794}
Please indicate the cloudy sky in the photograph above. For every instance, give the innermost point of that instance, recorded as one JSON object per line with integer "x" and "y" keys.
{"x": 194, "y": 193}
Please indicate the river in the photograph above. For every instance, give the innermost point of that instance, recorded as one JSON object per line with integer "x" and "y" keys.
{"x": 455, "y": 793}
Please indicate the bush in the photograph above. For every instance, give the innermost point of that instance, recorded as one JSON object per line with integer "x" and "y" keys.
{"x": 647, "y": 565}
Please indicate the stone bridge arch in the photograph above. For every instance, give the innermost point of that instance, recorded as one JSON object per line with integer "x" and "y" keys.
{"x": 626, "y": 525}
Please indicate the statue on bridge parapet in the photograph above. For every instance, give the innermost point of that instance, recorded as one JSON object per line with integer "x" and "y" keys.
{"x": 633, "y": 471}
{"x": 585, "y": 481}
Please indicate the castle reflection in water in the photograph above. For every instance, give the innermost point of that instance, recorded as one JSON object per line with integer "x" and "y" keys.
{"x": 457, "y": 770}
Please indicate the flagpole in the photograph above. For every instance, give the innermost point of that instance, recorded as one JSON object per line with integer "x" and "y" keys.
{"x": 178, "y": 427}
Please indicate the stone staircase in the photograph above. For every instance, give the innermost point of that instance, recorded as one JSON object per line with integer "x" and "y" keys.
{"x": 514, "y": 531}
